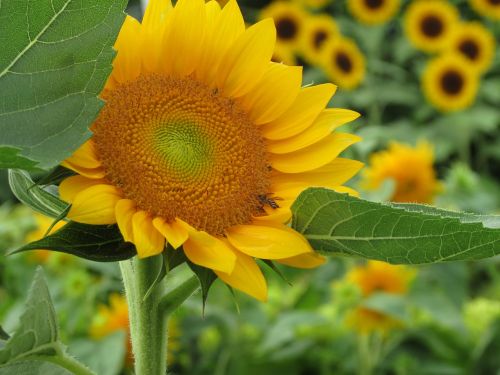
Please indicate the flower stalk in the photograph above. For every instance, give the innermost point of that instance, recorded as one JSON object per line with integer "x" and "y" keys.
{"x": 148, "y": 316}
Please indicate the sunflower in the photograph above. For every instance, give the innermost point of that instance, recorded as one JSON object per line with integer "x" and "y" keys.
{"x": 289, "y": 19}
{"x": 487, "y": 8}
{"x": 449, "y": 83}
{"x": 207, "y": 148}
{"x": 373, "y": 12}
{"x": 430, "y": 24}
{"x": 344, "y": 63}
{"x": 372, "y": 278}
{"x": 473, "y": 41}
{"x": 318, "y": 31}
{"x": 411, "y": 169}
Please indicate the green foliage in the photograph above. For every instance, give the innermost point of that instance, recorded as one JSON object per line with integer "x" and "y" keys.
{"x": 407, "y": 234}
{"x": 37, "y": 338}
{"x": 56, "y": 57}
{"x": 34, "y": 196}
{"x": 101, "y": 243}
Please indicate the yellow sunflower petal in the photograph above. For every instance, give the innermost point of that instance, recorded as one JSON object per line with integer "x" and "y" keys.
{"x": 152, "y": 29}
{"x": 314, "y": 156}
{"x": 127, "y": 63}
{"x": 95, "y": 205}
{"x": 246, "y": 276}
{"x": 324, "y": 125}
{"x": 332, "y": 174}
{"x": 85, "y": 156}
{"x": 305, "y": 109}
{"x": 267, "y": 242}
{"x": 147, "y": 240}
{"x": 228, "y": 26}
{"x": 345, "y": 189}
{"x": 183, "y": 37}
{"x": 208, "y": 251}
{"x": 71, "y": 186}
{"x": 308, "y": 260}
{"x": 274, "y": 94}
{"x": 87, "y": 172}
{"x": 124, "y": 211}
{"x": 280, "y": 215}
{"x": 174, "y": 232}
{"x": 248, "y": 59}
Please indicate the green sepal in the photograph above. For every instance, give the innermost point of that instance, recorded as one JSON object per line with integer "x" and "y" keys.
{"x": 206, "y": 277}
{"x": 3, "y": 335}
{"x": 100, "y": 243}
{"x": 55, "y": 176}
{"x": 34, "y": 196}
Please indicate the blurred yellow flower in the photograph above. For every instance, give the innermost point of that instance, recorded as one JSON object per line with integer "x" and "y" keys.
{"x": 42, "y": 223}
{"x": 474, "y": 42}
{"x": 375, "y": 276}
{"x": 429, "y": 24}
{"x": 318, "y": 31}
{"x": 487, "y": 8}
{"x": 289, "y": 19}
{"x": 373, "y": 12}
{"x": 450, "y": 83}
{"x": 410, "y": 168}
{"x": 208, "y": 147}
{"x": 372, "y": 278}
{"x": 344, "y": 63}
{"x": 284, "y": 55}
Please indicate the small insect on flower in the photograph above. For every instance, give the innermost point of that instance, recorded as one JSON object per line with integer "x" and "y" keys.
{"x": 264, "y": 199}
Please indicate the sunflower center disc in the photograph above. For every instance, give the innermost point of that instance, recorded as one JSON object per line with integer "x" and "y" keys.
{"x": 319, "y": 38}
{"x": 179, "y": 149}
{"x": 343, "y": 62}
{"x": 470, "y": 49}
{"x": 374, "y": 4}
{"x": 452, "y": 82}
{"x": 286, "y": 28}
{"x": 432, "y": 26}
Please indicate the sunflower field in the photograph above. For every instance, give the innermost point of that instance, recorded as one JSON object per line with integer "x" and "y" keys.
{"x": 236, "y": 187}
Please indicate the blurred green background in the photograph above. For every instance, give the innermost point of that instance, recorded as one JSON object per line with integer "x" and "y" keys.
{"x": 425, "y": 76}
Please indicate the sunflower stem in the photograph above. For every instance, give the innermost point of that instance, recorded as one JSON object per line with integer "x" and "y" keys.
{"x": 176, "y": 297}
{"x": 148, "y": 324}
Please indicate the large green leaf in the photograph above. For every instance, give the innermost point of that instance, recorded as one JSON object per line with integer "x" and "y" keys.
{"x": 101, "y": 243}
{"x": 56, "y": 56}
{"x": 336, "y": 223}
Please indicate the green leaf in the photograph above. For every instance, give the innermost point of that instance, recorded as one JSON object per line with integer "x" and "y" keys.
{"x": 38, "y": 332}
{"x": 34, "y": 196}
{"x": 3, "y": 335}
{"x": 33, "y": 368}
{"x": 336, "y": 223}
{"x": 36, "y": 341}
{"x": 56, "y": 57}
{"x": 100, "y": 243}
{"x": 206, "y": 277}
{"x": 55, "y": 176}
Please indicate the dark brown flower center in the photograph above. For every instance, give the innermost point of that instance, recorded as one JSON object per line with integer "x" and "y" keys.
{"x": 343, "y": 61}
{"x": 374, "y": 4}
{"x": 319, "y": 38}
{"x": 494, "y": 2}
{"x": 470, "y": 49}
{"x": 286, "y": 28}
{"x": 432, "y": 26}
{"x": 452, "y": 82}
